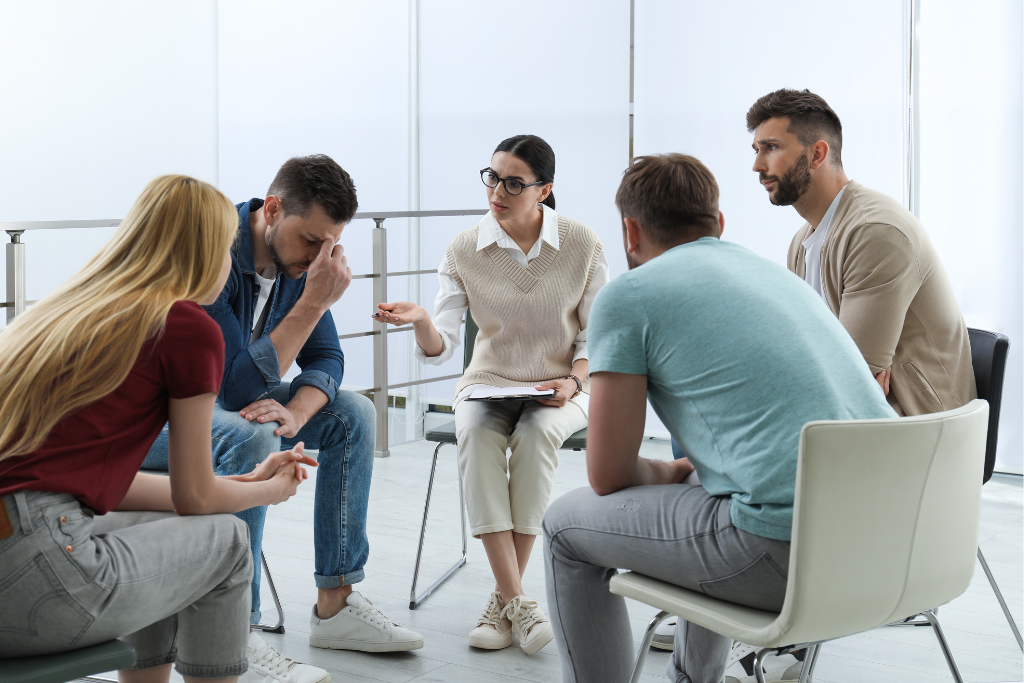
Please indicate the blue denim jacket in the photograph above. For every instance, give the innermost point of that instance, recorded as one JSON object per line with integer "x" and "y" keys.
{"x": 251, "y": 370}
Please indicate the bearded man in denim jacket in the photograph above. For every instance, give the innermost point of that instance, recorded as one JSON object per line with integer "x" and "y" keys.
{"x": 286, "y": 271}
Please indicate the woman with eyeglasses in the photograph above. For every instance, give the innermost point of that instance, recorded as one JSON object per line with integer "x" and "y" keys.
{"x": 529, "y": 276}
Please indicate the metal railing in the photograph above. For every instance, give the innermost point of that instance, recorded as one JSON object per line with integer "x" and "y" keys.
{"x": 16, "y": 301}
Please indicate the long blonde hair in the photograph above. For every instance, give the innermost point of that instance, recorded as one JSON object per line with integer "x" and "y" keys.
{"x": 79, "y": 343}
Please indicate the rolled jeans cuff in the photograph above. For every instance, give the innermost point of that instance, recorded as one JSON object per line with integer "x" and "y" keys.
{"x": 156, "y": 661}
{"x": 335, "y": 581}
{"x": 223, "y": 671}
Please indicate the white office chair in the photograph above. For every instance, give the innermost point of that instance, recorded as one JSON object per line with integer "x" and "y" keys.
{"x": 885, "y": 526}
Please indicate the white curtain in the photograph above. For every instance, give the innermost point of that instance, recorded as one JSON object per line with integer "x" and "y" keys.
{"x": 98, "y": 99}
{"x": 971, "y": 149}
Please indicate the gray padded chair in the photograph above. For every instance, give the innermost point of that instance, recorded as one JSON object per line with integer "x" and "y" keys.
{"x": 67, "y": 666}
{"x": 885, "y": 526}
{"x": 445, "y": 434}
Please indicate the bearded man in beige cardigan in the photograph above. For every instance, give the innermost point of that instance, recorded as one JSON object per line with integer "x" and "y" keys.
{"x": 867, "y": 256}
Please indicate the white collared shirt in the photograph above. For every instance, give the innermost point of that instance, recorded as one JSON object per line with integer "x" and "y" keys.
{"x": 814, "y": 244}
{"x": 451, "y": 302}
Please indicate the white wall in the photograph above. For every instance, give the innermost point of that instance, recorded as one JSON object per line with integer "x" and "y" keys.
{"x": 98, "y": 99}
{"x": 972, "y": 147}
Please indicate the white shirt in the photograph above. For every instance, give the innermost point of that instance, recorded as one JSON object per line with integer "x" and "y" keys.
{"x": 259, "y": 315}
{"x": 451, "y": 302}
{"x": 814, "y": 244}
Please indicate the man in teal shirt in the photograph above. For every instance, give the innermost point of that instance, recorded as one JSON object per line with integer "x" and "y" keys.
{"x": 736, "y": 354}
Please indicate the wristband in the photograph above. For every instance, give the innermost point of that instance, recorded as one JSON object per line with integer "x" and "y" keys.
{"x": 579, "y": 385}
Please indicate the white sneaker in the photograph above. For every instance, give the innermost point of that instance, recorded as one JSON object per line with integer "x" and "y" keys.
{"x": 361, "y": 626}
{"x": 776, "y": 668}
{"x": 493, "y": 629}
{"x": 267, "y": 665}
{"x": 529, "y": 623}
{"x": 665, "y": 635}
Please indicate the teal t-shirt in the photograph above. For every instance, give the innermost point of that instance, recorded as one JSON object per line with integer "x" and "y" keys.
{"x": 739, "y": 354}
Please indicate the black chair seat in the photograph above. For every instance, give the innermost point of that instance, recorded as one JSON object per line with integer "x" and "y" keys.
{"x": 446, "y": 434}
{"x": 68, "y": 666}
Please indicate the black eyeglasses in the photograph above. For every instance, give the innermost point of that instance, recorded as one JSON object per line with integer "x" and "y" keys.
{"x": 512, "y": 186}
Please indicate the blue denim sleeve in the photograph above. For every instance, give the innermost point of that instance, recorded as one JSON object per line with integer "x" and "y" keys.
{"x": 321, "y": 360}
{"x": 250, "y": 370}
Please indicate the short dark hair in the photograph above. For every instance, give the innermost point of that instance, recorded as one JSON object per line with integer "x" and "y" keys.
{"x": 537, "y": 154}
{"x": 673, "y": 196}
{"x": 317, "y": 179}
{"x": 810, "y": 119}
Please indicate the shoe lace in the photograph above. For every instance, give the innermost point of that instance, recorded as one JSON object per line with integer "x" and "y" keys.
{"x": 373, "y": 615}
{"x": 492, "y": 613}
{"x": 739, "y": 651}
{"x": 523, "y": 612}
{"x": 274, "y": 662}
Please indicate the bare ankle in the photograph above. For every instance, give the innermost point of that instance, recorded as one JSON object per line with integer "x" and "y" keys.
{"x": 330, "y": 601}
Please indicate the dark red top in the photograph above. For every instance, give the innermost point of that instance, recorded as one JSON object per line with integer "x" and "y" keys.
{"x": 94, "y": 453}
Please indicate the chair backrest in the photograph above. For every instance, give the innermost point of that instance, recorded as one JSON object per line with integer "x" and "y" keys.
{"x": 471, "y": 330}
{"x": 885, "y": 523}
{"x": 988, "y": 356}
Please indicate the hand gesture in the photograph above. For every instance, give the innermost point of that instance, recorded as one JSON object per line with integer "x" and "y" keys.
{"x": 269, "y": 410}
{"x": 284, "y": 471}
{"x": 295, "y": 458}
{"x": 564, "y": 389}
{"x": 400, "y": 313}
{"x": 328, "y": 276}
{"x": 883, "y": 379}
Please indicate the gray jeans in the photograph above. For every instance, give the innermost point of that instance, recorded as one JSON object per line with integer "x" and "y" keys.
{"x": 678, "y": 534}
{"x": 174, "y": 588}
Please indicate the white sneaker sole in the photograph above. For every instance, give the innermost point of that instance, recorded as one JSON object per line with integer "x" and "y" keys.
{"x": 662, "y": 646}
{"x": 363, "y": 646}
{"x": 537, "y": 645}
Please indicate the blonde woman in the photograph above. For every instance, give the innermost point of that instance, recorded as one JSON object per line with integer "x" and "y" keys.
{"x": 91, "y": 374}
{"x": 529, "y": 276}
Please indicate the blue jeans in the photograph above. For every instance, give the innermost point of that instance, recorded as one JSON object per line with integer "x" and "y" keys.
{"x": 677, "y": 451}
{"x": 343, "y": 431}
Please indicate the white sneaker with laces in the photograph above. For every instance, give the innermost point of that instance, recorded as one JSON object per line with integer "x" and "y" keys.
{"x": 529, "y": 623}
{"x": 776, "y": 668}
{"x": 493, "y": 629}
{"x": 267, "y": 665}
{"x": 361, "y": 626}
{"x": 665, "y": 635}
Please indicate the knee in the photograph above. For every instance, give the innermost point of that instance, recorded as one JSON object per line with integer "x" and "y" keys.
{"x": 356, "y": 410}
{"x": 563, "y": 512}
{"x": 249, "y": 442}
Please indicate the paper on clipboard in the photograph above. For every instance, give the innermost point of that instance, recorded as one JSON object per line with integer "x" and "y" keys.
{"x": 509, "y": 394}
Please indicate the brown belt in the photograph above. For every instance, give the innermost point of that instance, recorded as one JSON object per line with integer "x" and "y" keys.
{"x": 5, "y": 522}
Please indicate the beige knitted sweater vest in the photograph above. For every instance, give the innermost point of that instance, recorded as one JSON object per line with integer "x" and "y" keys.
{"x": 528, "y": 317}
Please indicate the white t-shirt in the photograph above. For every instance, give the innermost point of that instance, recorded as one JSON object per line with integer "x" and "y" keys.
{"x": 259, "y": 316}
{"x": 813, "y": 245}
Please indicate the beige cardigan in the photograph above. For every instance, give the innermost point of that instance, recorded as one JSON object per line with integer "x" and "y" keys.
{"x": 882, "y": 278}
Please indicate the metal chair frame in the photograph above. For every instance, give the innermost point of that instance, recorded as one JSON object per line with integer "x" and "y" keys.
{"x": 415, "y": 600}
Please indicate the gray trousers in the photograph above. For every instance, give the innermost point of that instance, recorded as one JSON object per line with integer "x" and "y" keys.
{"x": 174, "y": 588}
{"x": 678, "y": 534}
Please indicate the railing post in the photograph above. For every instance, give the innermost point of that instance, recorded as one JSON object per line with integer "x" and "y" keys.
{"x": 15, "y": 275}
{"x": 380, "y": 341}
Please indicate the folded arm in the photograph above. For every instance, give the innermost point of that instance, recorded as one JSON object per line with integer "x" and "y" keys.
{"x": 881, "y": 277}
{"x": 618, "y": 411}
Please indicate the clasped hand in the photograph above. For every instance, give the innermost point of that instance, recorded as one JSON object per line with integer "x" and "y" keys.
{"x": 284, "y": 468}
